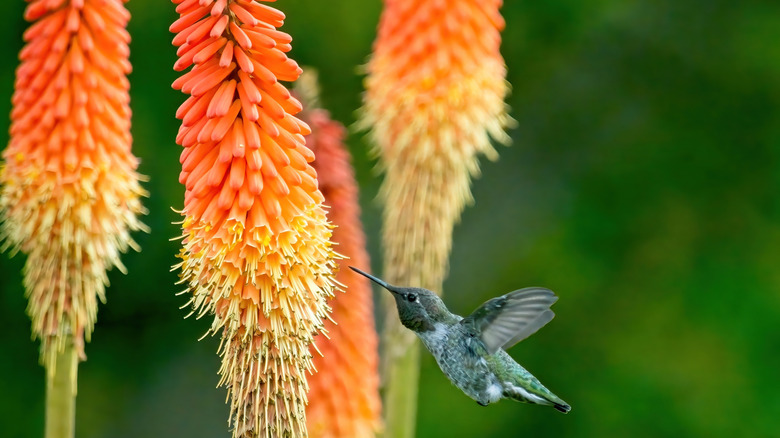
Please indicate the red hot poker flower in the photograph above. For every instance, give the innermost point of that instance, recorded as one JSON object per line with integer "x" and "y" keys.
{"x": 257, "y": 251}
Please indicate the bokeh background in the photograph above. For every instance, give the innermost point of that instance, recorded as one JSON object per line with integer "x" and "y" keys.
{"x": 642, "y": 186}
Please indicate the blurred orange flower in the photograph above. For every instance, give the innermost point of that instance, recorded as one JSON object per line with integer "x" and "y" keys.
{"x": 256, "y": 249}
{"x": 344, "y": 393}
{"x": 70, "y": 192}
{"x": 434, "y": 100}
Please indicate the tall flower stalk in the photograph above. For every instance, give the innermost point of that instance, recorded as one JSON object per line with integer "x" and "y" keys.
{"x": 70, "y": 191}
{"x": 434, "y": 99}
{"x": 344, "y": 398}
{"x": 256, "y": 242}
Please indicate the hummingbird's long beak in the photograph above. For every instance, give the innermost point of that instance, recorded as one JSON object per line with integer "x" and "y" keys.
{"x": 376, "y": 280}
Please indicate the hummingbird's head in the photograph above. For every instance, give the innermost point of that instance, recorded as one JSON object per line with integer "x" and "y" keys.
{"x": 418, "y": 308}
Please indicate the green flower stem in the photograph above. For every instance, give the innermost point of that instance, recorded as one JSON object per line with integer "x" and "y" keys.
{"x": 400, "y": 375}
{"x": 61, "y": 394}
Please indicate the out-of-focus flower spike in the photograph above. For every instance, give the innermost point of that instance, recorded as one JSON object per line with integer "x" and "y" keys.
{"x": 434, "y": 100}
{"x": 344, "y": 393}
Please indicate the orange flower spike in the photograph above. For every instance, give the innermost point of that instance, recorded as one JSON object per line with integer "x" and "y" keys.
{"x": 344, "y": 393}
{"x": 257, "y": 251}
{"x": 434, "y": 98}
{"x": 70, "y": 191}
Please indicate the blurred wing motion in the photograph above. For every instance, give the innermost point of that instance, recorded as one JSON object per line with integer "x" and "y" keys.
{"x": 506, "y": 320}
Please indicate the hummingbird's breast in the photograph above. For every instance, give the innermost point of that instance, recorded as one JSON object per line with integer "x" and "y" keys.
{"x": 461, "y": 358}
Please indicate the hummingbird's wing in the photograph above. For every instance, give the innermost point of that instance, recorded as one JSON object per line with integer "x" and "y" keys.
{"x": 506, "y": 320}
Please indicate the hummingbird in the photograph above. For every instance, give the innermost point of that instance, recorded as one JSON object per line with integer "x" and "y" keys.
{"x": 470, "y": 350}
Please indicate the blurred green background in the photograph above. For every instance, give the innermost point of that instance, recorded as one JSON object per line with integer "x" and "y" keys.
{"x": 641, "y": 187}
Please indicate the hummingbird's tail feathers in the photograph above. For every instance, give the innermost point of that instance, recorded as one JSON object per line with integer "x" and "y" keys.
{"x": 535, "y": 395}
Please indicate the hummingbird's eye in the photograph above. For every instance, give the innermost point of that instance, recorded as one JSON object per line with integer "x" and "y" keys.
{"x": 412, "y": 298}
